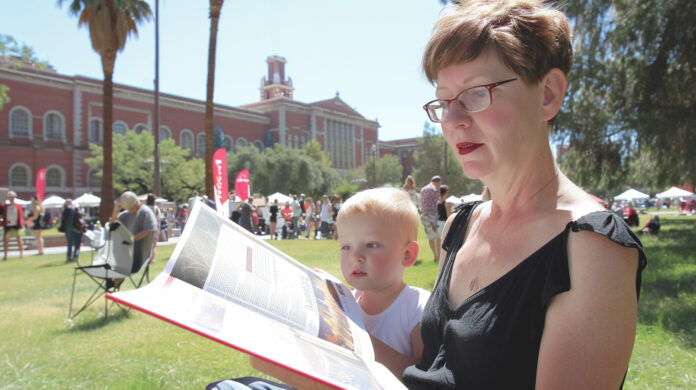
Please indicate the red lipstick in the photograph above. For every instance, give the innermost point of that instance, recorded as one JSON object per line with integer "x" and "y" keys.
{"x": 467, "y": 147}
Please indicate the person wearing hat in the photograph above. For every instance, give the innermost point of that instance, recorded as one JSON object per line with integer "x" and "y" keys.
{"x": 139, "y": 221}
{"x": 13, "y": 221}
{"x": 429, "y": 198}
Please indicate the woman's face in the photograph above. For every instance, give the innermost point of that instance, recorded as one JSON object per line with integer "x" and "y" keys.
{"x": 500, "y": 136}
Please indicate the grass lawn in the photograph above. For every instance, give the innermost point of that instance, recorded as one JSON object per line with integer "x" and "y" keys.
{"x": 41, "y": 349}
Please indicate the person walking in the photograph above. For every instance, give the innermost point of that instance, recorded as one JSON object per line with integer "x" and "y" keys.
{"x": 325, "y": 217}
{"x": 309, "y": 214}
{"x": 34, "y": 220}
{"x": 245, "y": 219}
{"x": 273, "y": 210}
{"x": 13, "y": 222}
{"x": 296, "y": 215}
{"x": 429, "y": 197}
{"x": 410, "y": 188}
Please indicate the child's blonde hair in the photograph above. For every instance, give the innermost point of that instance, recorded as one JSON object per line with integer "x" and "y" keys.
{"x": 392, "y": 204}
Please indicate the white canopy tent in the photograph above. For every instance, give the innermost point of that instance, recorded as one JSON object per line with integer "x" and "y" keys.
{"x": 674, "y": 192}
{"x": 471, "y": 198}
{"x": 53, "y": 201}
{"x": 19, "y": 201}
{"x": 453, "y": 200}
{"x": 282, "y": 198}
{"x": 631, "y": 194}
{"x": 87, "y": 200}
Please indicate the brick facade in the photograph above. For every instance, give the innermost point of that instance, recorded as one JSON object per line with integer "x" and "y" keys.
{"x": 72, "y": 106}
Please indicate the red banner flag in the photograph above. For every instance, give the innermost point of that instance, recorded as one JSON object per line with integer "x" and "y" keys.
{"x": 241, "y": 184}
{"x": 41, "y": 183}
{"x": 220, "y": 184}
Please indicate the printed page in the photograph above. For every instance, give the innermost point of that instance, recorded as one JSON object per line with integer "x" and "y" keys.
{"x": 228, "y": 285}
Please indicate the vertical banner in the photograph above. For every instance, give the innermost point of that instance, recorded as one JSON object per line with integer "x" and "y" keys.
{"x": 220, "y": 184}
{"x": 241, "y": 184}
{"x": 41, "y": 183}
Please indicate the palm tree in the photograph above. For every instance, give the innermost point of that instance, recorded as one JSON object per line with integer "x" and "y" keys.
{"x": 215, "y": 8}
{"x": 110, "y": 22}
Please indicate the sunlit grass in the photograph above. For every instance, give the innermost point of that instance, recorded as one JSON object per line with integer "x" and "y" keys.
{"x": 41, "y": 349}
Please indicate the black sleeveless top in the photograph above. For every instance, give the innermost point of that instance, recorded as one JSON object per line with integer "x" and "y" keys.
{"x": 492, "y": 339}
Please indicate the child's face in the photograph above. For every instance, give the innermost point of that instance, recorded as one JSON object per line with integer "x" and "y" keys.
{"x": 373, "y": 253}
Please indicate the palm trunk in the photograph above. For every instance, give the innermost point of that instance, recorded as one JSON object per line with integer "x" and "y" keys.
{"x": 215, "y": 7}
{"x": 107, "y": 190}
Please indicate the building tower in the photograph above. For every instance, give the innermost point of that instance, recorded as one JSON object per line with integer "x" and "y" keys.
{"x": 275, "y": 84}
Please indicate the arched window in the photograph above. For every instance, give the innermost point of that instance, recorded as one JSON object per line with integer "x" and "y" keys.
{"x": 186, "y": 140}
{"x": 96, "y": 131}
{"x": 139, "y": 128}
{"x": 55, "y": 176}
{"x": 259, "y": 145}
{"x": 19, "y": 175}
{"x": 120, "y": 127}
{"x": 200, "y": 144}
{"x": 20, "y": 122}
{"x": 94, "y": 179}
{"x": 54, "y": 126}
{"x": 241, "y": 141}
{"x": 164, "y": 133}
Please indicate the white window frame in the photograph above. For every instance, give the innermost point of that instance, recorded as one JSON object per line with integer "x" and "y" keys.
{"x": 61, "y": 118}
{"x": 119, "y": 122}
{"x": 29, "y": 175}
{"x": 100, "y": 136}
{"x": 62, "y": 176}
{"x": 30, "y": 124}
{"x": 200, "y": 153}
{"x": 168, "y": 130}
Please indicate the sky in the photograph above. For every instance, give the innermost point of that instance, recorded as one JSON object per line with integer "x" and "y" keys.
{"x": 369, "y": 51}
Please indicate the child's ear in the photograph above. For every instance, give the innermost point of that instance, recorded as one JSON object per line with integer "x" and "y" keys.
{"x": 410, "y": 254}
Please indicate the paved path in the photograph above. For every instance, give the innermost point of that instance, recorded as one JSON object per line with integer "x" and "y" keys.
{"x": 63, "y": 249}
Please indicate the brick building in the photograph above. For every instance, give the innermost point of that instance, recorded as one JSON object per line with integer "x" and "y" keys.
{"x": 52, "y": 118}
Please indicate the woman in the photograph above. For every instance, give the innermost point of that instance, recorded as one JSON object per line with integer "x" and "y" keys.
{"x": 537, "y": 287}
{"x": 309, "y": 215}
{"x": 410, "y": 187}
{"x": 34, "y": 221}
{"x": 245, "y": 219}
{"x": 274, "y": 218}
{"x": 444, "y": 209}
{"x": 325, "y": 217}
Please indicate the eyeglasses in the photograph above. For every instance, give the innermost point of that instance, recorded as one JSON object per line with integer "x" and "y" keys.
{"x": 474, "y": 99}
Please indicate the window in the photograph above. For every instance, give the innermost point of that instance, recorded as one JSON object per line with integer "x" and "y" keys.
{"x": 340, "y": 144}
{"x": 54, "y": 176}
{"x": 164, "y": 133}
{"x": 96, "y": 131}
{"x": 259, "y": 145}
{"x": 200, "y": 144}
{"x": 19, "y": 175}
{"x": 241, "y": 141}
{"x": 54, "y": 126}
{"x": 186, "y": 140}
{"x": 94, "y": 179}
{"x": 120, "y": 128}
{"x": 139, "y": 128}
{"x": 20, "y": 122}
{"x": 303, "y": 141}
{"x": 229, "y": 143}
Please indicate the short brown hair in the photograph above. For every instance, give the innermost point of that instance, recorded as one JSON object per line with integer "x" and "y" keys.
{"x": 530, "y": 37}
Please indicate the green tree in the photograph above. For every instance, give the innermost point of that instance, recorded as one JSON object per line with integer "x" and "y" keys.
{"x": 132, "y": 172}
{"x": 14, "y": 55}
{"x": 215, "y": 8}
{"x": 110, "y": 22}
{"x": 631, "y": 88}
{"x": 388, "y": 170}
{"x": 283, "y": 169}
{"x": 429, "y": 161}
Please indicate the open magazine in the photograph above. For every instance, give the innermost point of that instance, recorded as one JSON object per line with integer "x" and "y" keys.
{"x": 228, "y": 285}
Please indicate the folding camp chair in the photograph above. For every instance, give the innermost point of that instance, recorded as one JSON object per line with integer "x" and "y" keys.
{"x": 119, "y": 258}
{"x": 95, "y": 239}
